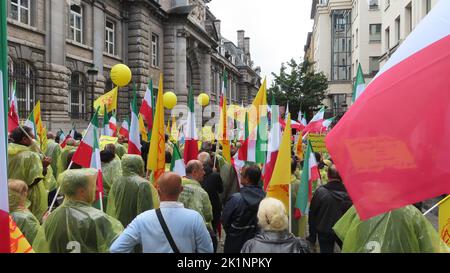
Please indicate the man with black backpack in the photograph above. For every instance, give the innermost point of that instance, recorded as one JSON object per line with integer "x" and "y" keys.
{"x": 329, "y": 203}
{"x": 239, "y": 214}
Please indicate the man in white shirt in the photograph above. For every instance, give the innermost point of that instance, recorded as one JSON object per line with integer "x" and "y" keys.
{"x": 185, "y": 226}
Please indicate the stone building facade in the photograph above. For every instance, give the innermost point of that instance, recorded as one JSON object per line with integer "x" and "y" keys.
{"x": 54, "y": 44}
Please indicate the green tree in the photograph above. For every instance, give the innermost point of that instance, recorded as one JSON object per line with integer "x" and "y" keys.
{"x": 298, "y": 84}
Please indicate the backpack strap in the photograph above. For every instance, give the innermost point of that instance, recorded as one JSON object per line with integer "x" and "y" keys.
{"x": 166, "y": 231}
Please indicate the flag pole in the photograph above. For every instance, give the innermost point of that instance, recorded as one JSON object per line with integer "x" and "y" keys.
{"x": 25, "y": 132}
{"x": 437, "y": 205}
{"x": 100, "y": 195}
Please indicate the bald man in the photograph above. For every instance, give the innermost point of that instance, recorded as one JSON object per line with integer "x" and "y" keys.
{"x": 185, "y": 226}
{"x": 193, "y": 195}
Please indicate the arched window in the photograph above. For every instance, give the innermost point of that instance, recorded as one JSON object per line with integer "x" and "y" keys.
{"x": 77, "y": 97}
{"x": 24, "y": 75}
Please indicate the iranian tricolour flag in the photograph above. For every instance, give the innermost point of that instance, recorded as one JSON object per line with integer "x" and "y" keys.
{"x": 71, "y": 135}
{"x": 113, "y": 125}
{"x": 243, "y": 150}
{"x": 106, "y": 131}
{"x": 147, "y": 106}
{"x": 13, "y": 116}
{"x": 124, "y": 128}
{"x": 310, "y": 174}
{"x": 177, "y": 164}
{"x": 315, "y": 125}
{"x": 274, "y": 145}
{"x": 389, "y": 160}
{"x": 4, "y": 205}
{"x": 88, "y": 153}
{"x": 134, "y": 142}
{"x": 191, "y": 141}
{"x": 360, "y": 84}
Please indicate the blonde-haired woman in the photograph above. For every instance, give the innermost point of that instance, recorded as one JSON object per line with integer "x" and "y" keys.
{"x": 274, "y": 236}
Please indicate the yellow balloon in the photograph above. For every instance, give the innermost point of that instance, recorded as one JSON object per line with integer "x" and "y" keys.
{"x": 203, "y": 99}
{"x": 170, "y": 100}
{"x": 121, "y": 75}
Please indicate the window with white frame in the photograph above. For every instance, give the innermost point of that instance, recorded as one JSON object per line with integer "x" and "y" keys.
{"x": 76, "y": 23}
{"x": 110, "y": 37}
{"x": 20, "y": 11}
{"x": 155, "y": 50}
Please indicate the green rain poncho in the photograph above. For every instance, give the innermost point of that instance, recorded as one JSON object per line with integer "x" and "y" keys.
{"x": 111, "y": 172}
{"x": 53, "y": 151}
{"x": 26, "y": 165}
{"x": 131, "y": 194}
{"x": 120, "y": 150}
{"x": 75, "y": 226}
{"x": 25, "y": 220}
{"x": 62, "y": 162}
{"x": 403, "y": 230}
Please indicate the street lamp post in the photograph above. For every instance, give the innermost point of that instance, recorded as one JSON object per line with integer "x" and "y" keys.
{"x": 92, "y": 73}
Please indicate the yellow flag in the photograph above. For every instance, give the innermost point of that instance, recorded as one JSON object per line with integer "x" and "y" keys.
{"x": 105, "y": 140}
{"x": 280, "y": 192}
{"x": 156, "y": 156}
{"x": 44, "y": 141}
{"x": 174, "y": 130}
{"x": 19, "y": 243}
{"x": 38, "y": 120}
{"x": 109, "y": 99}
{"x": 299, "y": 147}
{"x": 444, "y": 221}
{"x": 142, "y": 129}
{"x": 257, "y": 110}
{"x": 282, "y": 171}
{"x": 207, "y": 134}
{"x": 223, "y": 131}
{"x": 281, "y": 177}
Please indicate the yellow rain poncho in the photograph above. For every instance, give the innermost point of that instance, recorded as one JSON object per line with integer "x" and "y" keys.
{"x": 75, "y": 226}
{"x": 26, "y": 165}
{"x": 131, "y": 194}
{"x": 403, "y": 230}
{"x": 25, "y": 220}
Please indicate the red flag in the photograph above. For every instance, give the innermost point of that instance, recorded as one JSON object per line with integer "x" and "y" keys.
{"x": 392, "y": 147}
{"x": 146, "y": 109}
{"x": 13, "y": 116}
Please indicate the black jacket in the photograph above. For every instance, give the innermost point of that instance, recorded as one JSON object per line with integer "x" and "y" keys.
{"x": 275, "y": 242}
{"x": 213, "y": 185}
{"x": 239, "y": 217}
{"x": 328, "y": 205}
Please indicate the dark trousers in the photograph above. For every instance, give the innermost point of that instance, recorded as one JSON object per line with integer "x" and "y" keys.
{"x": 327, "y": 241}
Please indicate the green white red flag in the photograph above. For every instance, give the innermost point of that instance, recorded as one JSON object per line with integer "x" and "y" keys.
{"x": 87, "y": 154}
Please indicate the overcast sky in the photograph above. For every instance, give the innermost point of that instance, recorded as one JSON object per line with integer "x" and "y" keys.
{"x": 277, "y": 29}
